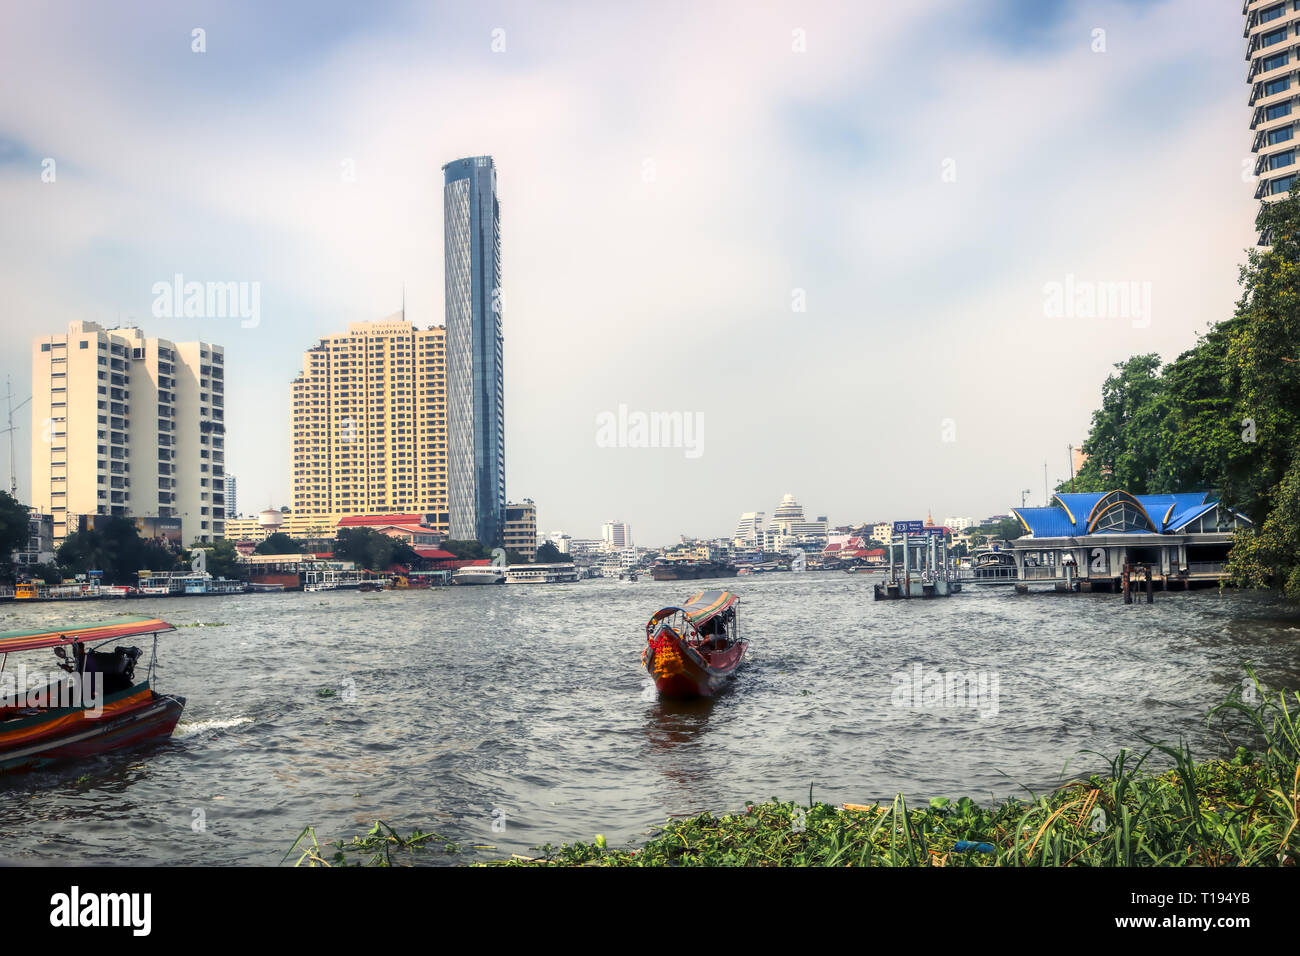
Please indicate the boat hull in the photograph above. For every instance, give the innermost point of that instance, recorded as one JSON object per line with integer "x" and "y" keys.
{"x": 691, "y": 572}
{"x": 683, "y": 670}
{"x": 130, "y": 717}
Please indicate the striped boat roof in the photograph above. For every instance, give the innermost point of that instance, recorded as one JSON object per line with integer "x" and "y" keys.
{"x": 14, "y": 641}
{"x": 701, "y": 607}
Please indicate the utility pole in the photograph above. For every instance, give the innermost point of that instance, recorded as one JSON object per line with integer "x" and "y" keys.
{"x": 1022, "y": 497}
{"x": 1069, "y": 451}
{"x": 1046, "y": 499}
{"x": 9, "y": 398}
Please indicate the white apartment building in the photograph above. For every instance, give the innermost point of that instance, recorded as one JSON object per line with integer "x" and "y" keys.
{"x": 615, "y": 536}
{"x": 750, "y": 530}
{"x": 128, "y": 425}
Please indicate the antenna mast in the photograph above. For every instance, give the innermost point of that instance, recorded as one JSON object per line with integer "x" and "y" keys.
{"x": 9, "y": 398}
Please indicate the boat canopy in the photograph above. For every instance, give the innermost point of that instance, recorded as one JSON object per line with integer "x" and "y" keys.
{"x": 702, "y": 607}
{"x": 14, "y": 641}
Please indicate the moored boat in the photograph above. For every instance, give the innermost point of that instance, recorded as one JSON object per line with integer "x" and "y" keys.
{"x": 689, "y": 570}
{"x": 99, "y": 707}
{"x": 479, "y": 574}
{"x": 692, "y": 650}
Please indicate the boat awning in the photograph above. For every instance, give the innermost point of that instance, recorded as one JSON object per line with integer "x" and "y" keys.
{"x": 700, "y": 608}
{"x": 13, "y": 641}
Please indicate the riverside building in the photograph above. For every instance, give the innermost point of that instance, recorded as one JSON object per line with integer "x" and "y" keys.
{"x": 127, "y": 425}
{"x": 369, "y": 424}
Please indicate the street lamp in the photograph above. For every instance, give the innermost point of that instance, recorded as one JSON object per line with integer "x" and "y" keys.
{"x": 1022, "y": 497}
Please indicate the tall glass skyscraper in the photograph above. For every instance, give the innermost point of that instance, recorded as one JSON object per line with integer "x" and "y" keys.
{"x": 476, "y": 440}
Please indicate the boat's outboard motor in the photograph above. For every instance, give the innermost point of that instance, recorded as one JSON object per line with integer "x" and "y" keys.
{"x": 116, "y": 669}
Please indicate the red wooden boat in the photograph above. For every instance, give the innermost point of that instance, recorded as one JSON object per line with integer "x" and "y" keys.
{"x": 98, "y": 707}
{"x": 692, "y": 650}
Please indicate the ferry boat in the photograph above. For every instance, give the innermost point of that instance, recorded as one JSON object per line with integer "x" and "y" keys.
{"x": 994, "y": 567}
{"x": 56, "y": 722}
{"x": 334, "y": 579}
{"x": 173, "y": 584}
{"x": 479, "y": 574}
{"x": 690, "y": 570}
{"x": 692, "y": 650}
{"x": 540, "y": 573}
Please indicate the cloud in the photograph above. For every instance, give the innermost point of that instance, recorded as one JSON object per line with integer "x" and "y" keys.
{"x": 669, "y": 175}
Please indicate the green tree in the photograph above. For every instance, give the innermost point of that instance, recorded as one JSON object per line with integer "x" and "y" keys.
{"x": 467, "y": 550}
{"x": 278, "y": 543}
{"x": 373, "y": 549}
{"x": 222, "y": 559}
{"x": 13, "y": 531}
{"x": 548, "y": 553}
{"x": 1123, "y": 447}
{"x": 115, "y": 547}
{"x": 1224, "y": 416}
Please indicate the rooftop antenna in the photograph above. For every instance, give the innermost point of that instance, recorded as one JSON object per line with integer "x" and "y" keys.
{"x": 9, "y": 397}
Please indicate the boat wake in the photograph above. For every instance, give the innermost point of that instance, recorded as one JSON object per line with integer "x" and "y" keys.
{"x": 187, "y": 729}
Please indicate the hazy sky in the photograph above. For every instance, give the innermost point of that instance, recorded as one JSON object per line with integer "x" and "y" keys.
{"x": 676, "y": 180}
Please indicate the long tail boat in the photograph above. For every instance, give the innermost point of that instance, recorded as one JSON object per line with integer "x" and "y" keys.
{"x": 692, "y": 650}
{"x": 98, "y": 707}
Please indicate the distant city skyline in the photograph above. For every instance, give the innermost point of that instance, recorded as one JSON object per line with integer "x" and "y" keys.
{"x": 723, "y": 221}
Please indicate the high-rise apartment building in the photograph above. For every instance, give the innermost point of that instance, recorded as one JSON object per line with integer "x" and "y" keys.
{"x": 1273, "y": 51}
{"x": 615, "y": 536}
{"x": 369, "y": 423}
{"x": 476, "y": 445}
{"x": 128, "y": 425}
{"x": 232, "y": 507}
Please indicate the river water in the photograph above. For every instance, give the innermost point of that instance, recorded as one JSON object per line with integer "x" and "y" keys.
{"x": 516, "y": 716}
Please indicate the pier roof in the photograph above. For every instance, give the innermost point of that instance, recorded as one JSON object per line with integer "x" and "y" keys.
{"x": 1117, "y": 512}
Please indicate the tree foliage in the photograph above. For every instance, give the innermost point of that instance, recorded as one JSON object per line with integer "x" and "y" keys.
{"x": 278, "y": 543}
{"x": 115, "y": 547}
{"x": 373, "y": 549}
{"x": 13, "y": 530}
{"x": 1224, "y": 416}
{"x": 548, "y": 553}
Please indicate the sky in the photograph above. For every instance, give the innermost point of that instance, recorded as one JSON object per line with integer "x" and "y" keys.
{"x": 835, "y": 237}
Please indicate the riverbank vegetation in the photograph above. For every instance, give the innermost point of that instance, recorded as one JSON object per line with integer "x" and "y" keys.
{"x": 1241, "y": 811}
{"x": 1223, "y": 416}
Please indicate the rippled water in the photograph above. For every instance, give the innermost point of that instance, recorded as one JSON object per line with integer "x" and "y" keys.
{"x": 528, "y": 702}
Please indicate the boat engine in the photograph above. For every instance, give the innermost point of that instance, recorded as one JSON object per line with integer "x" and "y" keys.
{"x": 117, "y": 667}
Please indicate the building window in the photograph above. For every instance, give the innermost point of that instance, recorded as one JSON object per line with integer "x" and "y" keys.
{"x": 1272, "y": 13}
{"x": 1278, "y": 160}
{"x": 1279, "y": 135}
{"x": 1274, "y": 36}
{"x": 1273, "y": 62}
{"x": 1279, "y": 85}
{"x": 1277, "y": 110}
{"x": 1281, "y": 185}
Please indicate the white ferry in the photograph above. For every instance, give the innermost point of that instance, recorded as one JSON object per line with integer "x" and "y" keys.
{"x": 479, "y": 574}
{"x": 540, "y": 573}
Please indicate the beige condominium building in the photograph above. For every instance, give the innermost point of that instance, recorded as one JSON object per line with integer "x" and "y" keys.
{"x": 1272, "y": 51}
{"x": 369, "y": 423}
{"x": 128, "y": 425}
